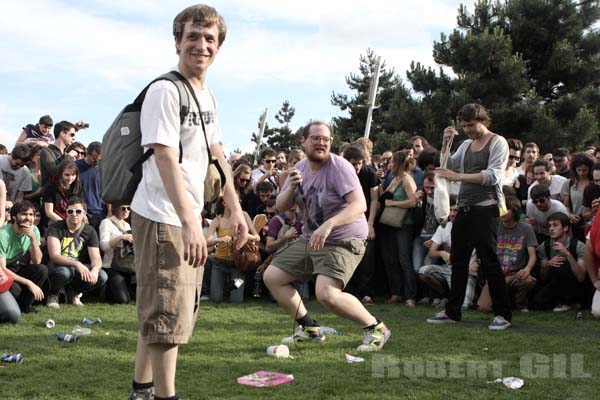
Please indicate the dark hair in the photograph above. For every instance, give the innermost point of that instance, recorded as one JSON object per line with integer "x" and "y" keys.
{"x": 560, "y": 217}
{"x": 429, "y": 157}
{"x": 63, "y": 126}
{"x": 561, "y": 152}
{"x": 533, "y": 145}
{"x": 202, "y": 15}
{"x": 21, "y": 152}
{"x": 220, "y": 206}
{"x": 474, "y": 112}
{"x": 404, "y": 145}
{"x": 267, "y": 152}
{"x": 539, "y": 191}
{"x": 76, "y": 200}
{"x": 354, "y": 153}
{"x": 46, "y": 120}
{"x": 596, "y": 167}
{"x": 21, "y": 206}
{"x": 94, "y": 147}
{"x": 241, "y": 161}
{"x": 543, "y": 163}
{"x": 306, "y": 130}
{"x": 453, "y": 200}
{"x": 75, "y": 188}
{"x": 580, "y": 159}
{"x": 265, "y": 186}
{"x": 75, "y": 146}
{"x": 35, "y": 149}
{"x": 513, "y": 204}
{"x": 3, "y": 149}
{"x": 430, "y": 176}
{"x": 515, "y": 144}
{"x": 508, "y": 191}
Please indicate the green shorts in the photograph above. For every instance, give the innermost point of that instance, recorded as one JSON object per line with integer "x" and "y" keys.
{"x": 336, "y": 260}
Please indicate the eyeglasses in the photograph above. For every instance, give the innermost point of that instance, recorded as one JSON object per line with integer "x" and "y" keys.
{"x": 270, "y": 161}
{"x": 516, "y": 158}
{"x": 72, "y": 211}
{"x": 7, "y": 209}
{"x": 539, "y": 200}
{"x": 319, "y": 139}
{"x": 125, "y": 208}
{"x": 81, "y": 153}
{"x": 244, "y": 180}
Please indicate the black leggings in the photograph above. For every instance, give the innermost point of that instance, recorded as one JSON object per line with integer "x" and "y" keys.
{"x": 119, "y": 287}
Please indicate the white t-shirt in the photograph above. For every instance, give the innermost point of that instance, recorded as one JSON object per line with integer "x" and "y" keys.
{"x": 108, "y": 231}
{"x": 160, "y": 124}
{"x": 15, "y": 180}
{"x": 541, "y": 218}
{"x": 442, "y": 236}
{"x": 556, "y": 185}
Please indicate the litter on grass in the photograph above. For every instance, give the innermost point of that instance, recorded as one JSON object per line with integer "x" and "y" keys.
{"x": 353, "y": 359}
{"x": 511, "y": 382}
{"x": 264, "y": 379}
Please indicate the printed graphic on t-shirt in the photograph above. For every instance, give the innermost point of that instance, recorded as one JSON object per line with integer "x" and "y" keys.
{"x": 71, "y": 248}
{"x": 509, "y": 247}
{"x": 208, "y": 116}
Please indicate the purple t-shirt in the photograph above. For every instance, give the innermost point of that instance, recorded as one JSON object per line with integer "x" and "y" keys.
{"x": 324, "y": 192}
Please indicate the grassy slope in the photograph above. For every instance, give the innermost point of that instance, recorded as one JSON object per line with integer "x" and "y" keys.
{"x": 230, "y": 341}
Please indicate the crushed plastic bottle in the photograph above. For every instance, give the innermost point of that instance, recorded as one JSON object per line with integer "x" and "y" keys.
{"x": 78, "y": 331}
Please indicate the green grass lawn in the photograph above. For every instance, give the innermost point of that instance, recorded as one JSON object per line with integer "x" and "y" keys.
{"x": 419, "y": 362}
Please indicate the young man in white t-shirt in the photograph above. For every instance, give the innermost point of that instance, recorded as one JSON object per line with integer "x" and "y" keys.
{"x": 542, "y": 171}
{"x": 169, "y": 245}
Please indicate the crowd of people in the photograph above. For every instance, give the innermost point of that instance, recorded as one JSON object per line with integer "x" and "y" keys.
{"x": 59, "y": 239}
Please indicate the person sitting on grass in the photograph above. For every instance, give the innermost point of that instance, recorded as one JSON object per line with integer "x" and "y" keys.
{"x": 516, "y": 251}
{"x": 438, "y": 277}
{"x": 222, "y": 266}
{"x": 115, "y": 236}
{"x": 561, "y": 267}
{"x": 539, "y": 208}
{"x": 66, "y": 242}
{"x": 16, "y": 239}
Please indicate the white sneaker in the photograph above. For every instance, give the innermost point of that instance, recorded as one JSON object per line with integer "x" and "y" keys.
{"x": 561, "y": 308}
{"x": 310, "y": 334}
{"x": 77, "y": 300}
{"x": 374, "y": 340}
{"x": 52, "y": 301}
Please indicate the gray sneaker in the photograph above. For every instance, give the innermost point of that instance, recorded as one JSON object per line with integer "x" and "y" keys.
{"x": 142, "y": 394}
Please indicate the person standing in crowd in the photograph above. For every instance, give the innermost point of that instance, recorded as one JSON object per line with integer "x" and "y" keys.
{"x": 532, "y": 153}
{"x": 40, "y": 133}
{"x": 591, "y": 196}
{"x": 328, "y": 191}
{"x": 267, "y": 170}
{"x": 52, "y": 155}
{"x": 89, "y": 177}
{"x": 562, "y": 162}
{"x": 420, "y": 144}
{"x": 56, "y": 195}
{"x": 573, "y": 190}
{"x": 168, "y": 203}
{"x": 295, "y": 156}
{"x": 37, "y": 189}
{"x": 15, "y": 172}
{"x": 591, "y": 260}
{"x": 115, "y": 235}
{"x": 481, "y": 161}
{"x": 539, "y": 208}
{"x": 397, "y": 251}
{"x": 543, "y": 176}
{"x": 514, "y": 157}
{"x": 242, "y": 182}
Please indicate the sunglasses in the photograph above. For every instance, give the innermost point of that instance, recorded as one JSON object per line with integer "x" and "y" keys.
{"x": 270, "y": 161}
{"x": 539, "y": 200}
{"x": 244, "y": 180}
{"x": 125, "y": 208}
{"x": 72, "y": 211}
{"x": 81, "y": 153}
{"x": 516, "y": 158}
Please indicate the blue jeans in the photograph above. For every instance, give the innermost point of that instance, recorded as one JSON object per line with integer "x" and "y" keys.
{"x": 221, "y": 271}
{"x": 61, "y": 276}
{"x": 9, "y": 309}
{"x": 420, "y": 254}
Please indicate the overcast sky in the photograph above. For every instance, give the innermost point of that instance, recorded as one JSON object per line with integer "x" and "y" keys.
{"x": 87, "y": 59}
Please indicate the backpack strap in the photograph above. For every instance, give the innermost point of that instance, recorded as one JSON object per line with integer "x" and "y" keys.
{"x": 210, "y": 157}
{"x": 184, "y": 102}
{"x": 547, "y": 248}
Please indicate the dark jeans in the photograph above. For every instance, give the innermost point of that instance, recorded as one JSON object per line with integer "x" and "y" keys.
{"x": 37, "y": 273}
{"x": 559, "y": 287}
{"x": 62, "y": 276}
{"x": 476, "y": 228}
{"x": 360, "y": 284}
{"x": 396, "y": 248}
{"x": 120, "y": 287}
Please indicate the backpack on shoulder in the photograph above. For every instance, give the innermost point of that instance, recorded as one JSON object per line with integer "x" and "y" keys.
{"x": 123, "y": 155}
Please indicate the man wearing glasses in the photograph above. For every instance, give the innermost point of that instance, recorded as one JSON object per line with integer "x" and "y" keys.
{"x": 51, "y": 156}
{"x": 67, "y": 239}
{"x": 539, "y": 208}
{"x": 15, "y": 173}
{"x": 267, "y": 170}
{"x": 328, "y": 191}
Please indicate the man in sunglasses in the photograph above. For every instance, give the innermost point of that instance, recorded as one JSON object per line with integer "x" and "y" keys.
{"x": 15, "y": 172}
{"x": 539, "y": 207}
{"x": 51, "y": 156}
{"x": 67, "y": 241}
{"x": 267, "y": 170}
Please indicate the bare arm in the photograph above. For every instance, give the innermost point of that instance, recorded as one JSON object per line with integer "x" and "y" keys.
{"x": 252, "y": 234}
{"x": 49, "y": 209}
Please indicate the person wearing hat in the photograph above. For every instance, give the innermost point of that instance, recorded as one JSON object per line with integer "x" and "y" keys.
{"x": 562, "y": 162}
{"x": 40, "y": 133}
